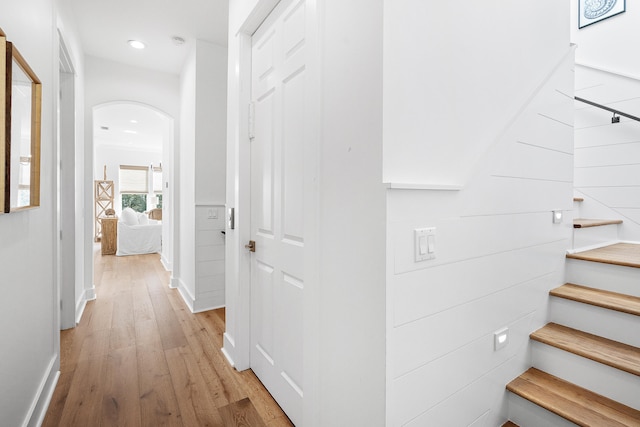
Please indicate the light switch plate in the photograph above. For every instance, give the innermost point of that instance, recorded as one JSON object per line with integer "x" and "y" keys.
{"x": 424, "y": 243}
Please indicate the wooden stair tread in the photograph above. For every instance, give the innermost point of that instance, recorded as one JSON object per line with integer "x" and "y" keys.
{"x": 598, "y": 297}
{"x": 576, "y": 404}
{"x": 578, "y": 199}
{"x": 625, "y": 254}
{"x": 585, "y": 223}
{"x": 510, "y": 424}
{"x": 603, "y": 350}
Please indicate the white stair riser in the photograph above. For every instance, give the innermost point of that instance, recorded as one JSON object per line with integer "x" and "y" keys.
{"x": 576, "y": 209}
{"x": 590, "y": 236}
{"x": 602, "y": 379}
{"x": 616, "y": 278}
{"x": 527, "y": 414}
{"x": 611, "y": 324}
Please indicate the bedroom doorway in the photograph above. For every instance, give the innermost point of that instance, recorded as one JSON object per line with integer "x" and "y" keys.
{"x": 133, "y": 143}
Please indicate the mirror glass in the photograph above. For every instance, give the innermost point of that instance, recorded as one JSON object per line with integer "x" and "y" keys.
{"x": 21, "y": 97}
{"x": 22, "y": 189}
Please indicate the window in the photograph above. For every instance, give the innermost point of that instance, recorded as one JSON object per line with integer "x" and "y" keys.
{"x": 134, "y": 186}
{"x": 137, "y": 202}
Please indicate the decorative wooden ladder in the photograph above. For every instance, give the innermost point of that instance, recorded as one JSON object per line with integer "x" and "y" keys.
{"x": 586, "y": 362}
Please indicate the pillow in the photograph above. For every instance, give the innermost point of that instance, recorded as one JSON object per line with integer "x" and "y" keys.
{"x": 143, "y": 219}
{"x": 129, "y": 216}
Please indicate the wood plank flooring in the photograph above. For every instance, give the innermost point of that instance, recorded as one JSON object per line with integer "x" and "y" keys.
{"x": 625, "y": 254}
{"x": 139, "y": 357}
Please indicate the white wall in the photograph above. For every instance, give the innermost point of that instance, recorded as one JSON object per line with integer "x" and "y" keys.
{"x": 605, "y": 44}
{"x": 29, "y": 347}
{"x": 352, "y": 216}
{"x": 202, "y": 176}
{"x": 108, "y": 81}
{"x": 472, "y": 99}
{"x": 607, "y": 162}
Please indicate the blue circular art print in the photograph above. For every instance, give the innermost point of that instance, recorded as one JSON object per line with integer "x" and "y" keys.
{"x": 596, "y": 8}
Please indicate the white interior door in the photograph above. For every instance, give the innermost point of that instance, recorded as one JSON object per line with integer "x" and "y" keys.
{"x": 277, "y": 196}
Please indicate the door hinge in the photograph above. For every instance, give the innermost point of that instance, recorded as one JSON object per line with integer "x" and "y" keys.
{"x": 252, "y": 120}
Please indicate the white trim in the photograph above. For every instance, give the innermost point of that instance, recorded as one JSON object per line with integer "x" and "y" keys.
{"x": 422, "y": 186}
{"x": 228, "y": 357}
{"x": 186, "y": 295}
{"x": 40, "y": 404}
{"x": 197, "y": 305}
{"x": 592, "y": 247}
{"x": 80, "y": 306}
{"x": 174, "y": 283}
{"x": 209, "y": 205}
{"x": 608, "y": 70}
{"x": 90, "y": 293}
{"x": 166, "y": 264}
{"x": 259, "y": 13}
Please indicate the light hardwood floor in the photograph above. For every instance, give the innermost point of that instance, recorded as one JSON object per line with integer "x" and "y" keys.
{"x": 139, "y": 357}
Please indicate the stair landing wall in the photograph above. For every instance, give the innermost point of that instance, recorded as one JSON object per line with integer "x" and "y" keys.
{"x": 607, "y": 156}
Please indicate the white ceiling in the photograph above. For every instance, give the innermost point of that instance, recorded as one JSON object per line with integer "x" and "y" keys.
{"x": 105, "y": 26}
{"x": 129, "y": 127}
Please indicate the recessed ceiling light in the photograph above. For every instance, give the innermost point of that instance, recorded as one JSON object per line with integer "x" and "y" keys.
{"x": 133, "y": 121}
{"x": 136, "y": 44}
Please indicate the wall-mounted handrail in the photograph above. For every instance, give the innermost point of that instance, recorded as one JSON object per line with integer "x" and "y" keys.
{"x": 620, "y": 113}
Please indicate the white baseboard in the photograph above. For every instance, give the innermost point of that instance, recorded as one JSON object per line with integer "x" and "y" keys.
{"x": 90, "y": 293}
{"x": 165, "y": 263}
{"x": 228, "y": 343}
{"x": 197, "y": 305}
{"x": 80, "y": 306}
{"x": 228, "y": 357}
{"x": 185, "y": 294}
{"x": 40, "y": 404}
{"x": 174, "y": 283}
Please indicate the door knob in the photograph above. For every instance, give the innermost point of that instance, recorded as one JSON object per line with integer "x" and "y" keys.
{"x": 251, "y": 246}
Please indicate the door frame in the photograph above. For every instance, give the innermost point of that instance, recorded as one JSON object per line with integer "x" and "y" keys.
{"x": 313, "y": 96}
{"x": 66, "y": 182}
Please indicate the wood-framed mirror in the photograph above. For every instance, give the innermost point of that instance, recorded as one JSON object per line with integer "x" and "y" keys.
{"x": 23, "y": 109}
{"x": 3, "y": 118}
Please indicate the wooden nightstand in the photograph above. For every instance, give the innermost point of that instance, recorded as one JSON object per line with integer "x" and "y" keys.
{"x": 109, "y": 235}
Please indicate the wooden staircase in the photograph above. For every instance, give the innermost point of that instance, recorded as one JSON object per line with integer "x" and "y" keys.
{"x": 586, "y": 361}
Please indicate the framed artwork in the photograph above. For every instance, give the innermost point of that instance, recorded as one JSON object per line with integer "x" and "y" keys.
{"x": 592, "y": 11}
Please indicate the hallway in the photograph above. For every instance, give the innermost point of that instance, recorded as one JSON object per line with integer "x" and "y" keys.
{"x": 140, "y": 358}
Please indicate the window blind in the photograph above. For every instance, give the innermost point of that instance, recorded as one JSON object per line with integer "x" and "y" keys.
{"x": 134, "y": 179}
